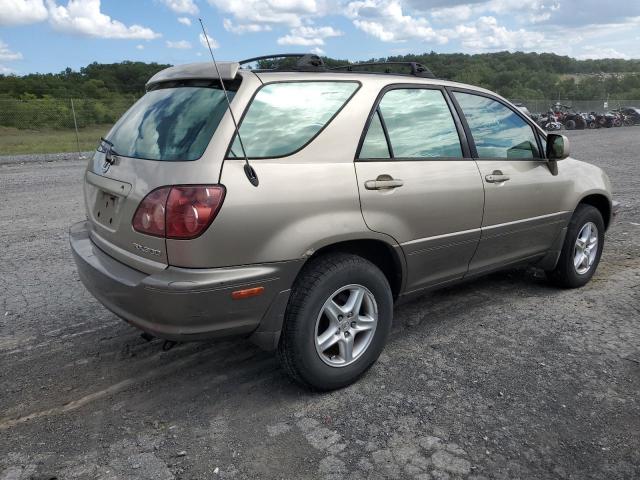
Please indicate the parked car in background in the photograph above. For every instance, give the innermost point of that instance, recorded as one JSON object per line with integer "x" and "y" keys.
{"x": 340, "y": 193}
{"x": 632, "y": 113}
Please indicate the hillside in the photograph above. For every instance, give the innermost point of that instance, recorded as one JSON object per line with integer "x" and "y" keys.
{"x": 514, "y": 75}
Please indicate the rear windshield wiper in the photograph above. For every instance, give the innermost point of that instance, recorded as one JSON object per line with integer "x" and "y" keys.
{"x": 109, "y": 150}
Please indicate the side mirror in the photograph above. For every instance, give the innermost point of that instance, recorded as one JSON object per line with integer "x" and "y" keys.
{"x": 557, "y": 146}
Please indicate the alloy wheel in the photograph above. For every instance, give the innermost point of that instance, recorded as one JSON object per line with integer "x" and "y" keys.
{"x": 346, "y": 325}
{"x": 586, "y": 248}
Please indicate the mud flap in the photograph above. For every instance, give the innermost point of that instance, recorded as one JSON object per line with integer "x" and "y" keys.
{"x": 267, "y": 335}
{"x": 550, "y": 260}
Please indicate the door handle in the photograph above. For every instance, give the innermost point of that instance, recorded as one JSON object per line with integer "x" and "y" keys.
{"x": 497, "y": 177}
{"x": 383, "y": 182}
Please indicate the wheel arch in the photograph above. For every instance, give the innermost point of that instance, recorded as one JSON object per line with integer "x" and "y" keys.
{"x": 602, "y": 203}
{"x": 386, "y": 257}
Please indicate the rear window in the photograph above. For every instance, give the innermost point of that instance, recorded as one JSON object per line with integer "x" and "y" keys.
{"x": 284, "y": 117}
{"x": 174, "y": 122}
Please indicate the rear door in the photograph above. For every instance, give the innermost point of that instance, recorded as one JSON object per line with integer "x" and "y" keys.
{"x": 523, "y": 195}
{"x": 418, "y": 184}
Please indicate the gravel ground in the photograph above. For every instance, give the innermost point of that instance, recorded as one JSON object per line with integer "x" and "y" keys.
{"x": 503, "y": 377}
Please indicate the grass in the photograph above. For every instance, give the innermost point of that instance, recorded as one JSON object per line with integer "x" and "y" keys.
{"x": 15, "y": 142}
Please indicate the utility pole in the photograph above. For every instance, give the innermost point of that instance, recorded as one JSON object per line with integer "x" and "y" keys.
{"x": 75, "y": 124}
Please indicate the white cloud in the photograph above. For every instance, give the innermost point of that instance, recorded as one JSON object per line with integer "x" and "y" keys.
{"x": 6, "y": 54}
{"x": 212, "y": 41}
{"x": 140, "y": 47}
{"x": 317, "y": 51}
{"x": 288, "y": 12}
{"x": 83, "y": 17}
{"x": 455, "y": 14}
{"x": 486, "y": 34}
{"x": 180, "y": 44}
{"x": 182, "y": 6}
{"x": 241, "y": 28}
{"x": 6, "y": 70}
{"x": 22, "y": 12}
{"x": 297, "y": 40}
{"x": 521, "y": 11}
{"x": 601, "y": 52}
{"x": 185, "y": 21}
{"x": 309, "y": 36}
{"x": 385, "y": 20}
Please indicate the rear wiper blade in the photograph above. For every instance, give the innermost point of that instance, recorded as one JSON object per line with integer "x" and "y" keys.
{"x": 109, "y": 151}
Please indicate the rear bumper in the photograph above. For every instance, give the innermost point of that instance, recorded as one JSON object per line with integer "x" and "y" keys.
{"x": 186, "y": 304}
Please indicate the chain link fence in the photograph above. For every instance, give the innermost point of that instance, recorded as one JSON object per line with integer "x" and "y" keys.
{"x": 48, "y": 125}
{"x": 55, "y": 113}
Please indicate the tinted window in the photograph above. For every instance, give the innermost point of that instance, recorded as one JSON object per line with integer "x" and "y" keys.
{"x": 419, "y": 124}
{"x": 497, "y": 130}
{"x": 375, "y": 144}
{"x": 283, "y": 117}
{"x": 170, "y": 123}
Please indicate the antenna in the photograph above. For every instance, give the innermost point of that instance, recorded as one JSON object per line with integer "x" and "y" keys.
{"x": 248, "y": 169}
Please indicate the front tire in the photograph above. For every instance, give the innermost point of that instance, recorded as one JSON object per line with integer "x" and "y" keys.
{"x": 581, "y": 250}
{"x": 337, "y": 321}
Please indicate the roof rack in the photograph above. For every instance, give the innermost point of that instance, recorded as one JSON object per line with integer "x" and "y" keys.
{"x": 306, "y": 61}
{"x": 417, "y": 69}
{"x": 313, "y": 62}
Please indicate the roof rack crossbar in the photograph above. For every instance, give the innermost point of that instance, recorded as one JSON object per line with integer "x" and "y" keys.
{"x": 417, "y": 69}
{"x": 307, "y": 61}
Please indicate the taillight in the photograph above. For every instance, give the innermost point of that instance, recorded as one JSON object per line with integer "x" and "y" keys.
{"x": 180, "y": 212}
{"x": 149, "y": 217}
{"x": 191, "y": 209}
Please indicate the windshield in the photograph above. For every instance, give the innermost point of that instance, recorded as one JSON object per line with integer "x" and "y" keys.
{"x": 173, "y": 123}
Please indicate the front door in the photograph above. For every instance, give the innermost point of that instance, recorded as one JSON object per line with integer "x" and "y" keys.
{"x": 522, "y": 195}
{"x": 418, "y": 184}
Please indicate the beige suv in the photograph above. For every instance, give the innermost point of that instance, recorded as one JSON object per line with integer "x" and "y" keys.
{"x": 340, "y": 192}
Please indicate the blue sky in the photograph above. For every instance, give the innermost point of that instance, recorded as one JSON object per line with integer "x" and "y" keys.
{"x": 50, "y": 35}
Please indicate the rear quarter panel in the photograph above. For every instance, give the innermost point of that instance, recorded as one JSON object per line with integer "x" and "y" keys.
{"x": 304, "y": 201}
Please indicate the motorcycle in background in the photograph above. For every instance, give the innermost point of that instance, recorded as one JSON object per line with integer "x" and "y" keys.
{"x": 590, "y": 120}
{"x": 604, "y": 120}
{"x": 548, "y": 121}
{"x": 571, "y": 119}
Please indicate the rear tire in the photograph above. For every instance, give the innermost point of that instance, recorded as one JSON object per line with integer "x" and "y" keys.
{"x": 312, "y": 321}
{"x": 581, "y": 250}
{"x": 570, "y": 125}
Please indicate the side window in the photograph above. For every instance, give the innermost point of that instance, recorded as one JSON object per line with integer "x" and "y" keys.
{"x": 284, "y": 117}
{"x": 375, "y": 143}
{"x": 419, "y": 124}
{"x": 497, "y": 131}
